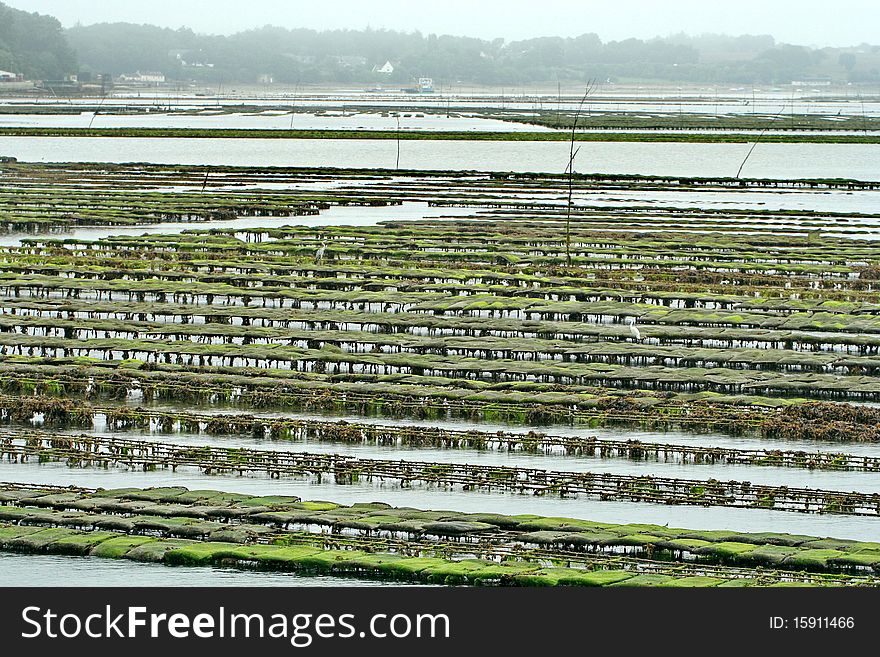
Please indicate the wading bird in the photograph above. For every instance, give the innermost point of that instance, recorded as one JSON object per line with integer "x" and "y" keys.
{"x": 633, "y": 331}
{"x": 319, "y": 254}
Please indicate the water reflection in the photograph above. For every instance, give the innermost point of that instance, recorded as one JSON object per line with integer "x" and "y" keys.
{"x": 747, "y": 520}
{"x": 53, "y": 571}
{"x": 769, "y": 160}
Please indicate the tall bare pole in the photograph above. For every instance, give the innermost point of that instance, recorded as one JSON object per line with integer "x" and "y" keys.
{"x": 103, "y": 98}
{"x": 757, "y": 141}
{"x": 572, "y": 153}
{"x": 397, "y": 164}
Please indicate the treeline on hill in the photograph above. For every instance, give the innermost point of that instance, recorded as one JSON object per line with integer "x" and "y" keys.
{"x": 34, "y": 45}
{"x": 307, "y": 56}
{"x": 37, "y": 47}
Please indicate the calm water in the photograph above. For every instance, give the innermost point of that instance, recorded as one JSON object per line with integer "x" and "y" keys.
{"x": 53, "y": 570}
{"x": 337, "y": 215}
{"x": 331, "y": 120}
{"x": 752, "y": 520}
{"x": 355, "y": 215}
{"x": 860, "y": 161}
{"x": 675, "y": 437}
{"x": 710, "y": 100}
{"x": 868, "y": 482}
{"x": 269, "y": 121}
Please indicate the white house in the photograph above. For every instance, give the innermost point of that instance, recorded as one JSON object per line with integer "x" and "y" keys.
{"x": 9, "y": 76}
{"x": 150, "y": 77}
{"x": 811, "y": 82}
{"x": 387, "y": 68}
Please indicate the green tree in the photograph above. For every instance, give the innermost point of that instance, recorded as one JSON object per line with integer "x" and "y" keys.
{"x": 34, "y": 45}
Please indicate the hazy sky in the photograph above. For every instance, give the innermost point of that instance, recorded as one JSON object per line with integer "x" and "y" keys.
{"x": 807, "y": 22}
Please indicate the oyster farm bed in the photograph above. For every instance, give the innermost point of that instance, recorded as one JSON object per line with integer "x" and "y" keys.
{"x": 442, "y": 377}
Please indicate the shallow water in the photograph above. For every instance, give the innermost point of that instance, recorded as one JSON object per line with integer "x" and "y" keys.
{"x": 693, "y": 517}
{"x": 55, "y": 570}
{"x": 819, "y": 201}
{"x": 652, "y": 99}
{"x": 868, "y": 482}
{"x": 336, "y": 215}
{"x": 859, "y": 161}
{"x": 344, "y": 120}
{"x": 768, "y": 160}
{"x": 269, "y": 121}
{"x": 650, "y": 199}
{"x": 360, "y": 215}
{"x": 605, "y": 433}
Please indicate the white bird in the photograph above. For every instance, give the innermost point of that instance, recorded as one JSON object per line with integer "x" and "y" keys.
{"x": 633, "y": 331}
{"x": 319, "y": 254}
